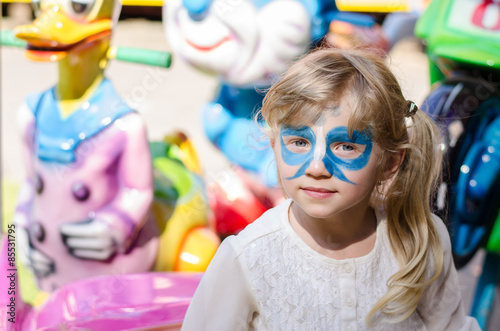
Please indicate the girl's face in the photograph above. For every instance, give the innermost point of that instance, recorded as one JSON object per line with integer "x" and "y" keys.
{"x": 322, "y": 169}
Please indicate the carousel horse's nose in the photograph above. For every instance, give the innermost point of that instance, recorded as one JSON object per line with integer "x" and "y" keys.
{"x": 197, "y": 9}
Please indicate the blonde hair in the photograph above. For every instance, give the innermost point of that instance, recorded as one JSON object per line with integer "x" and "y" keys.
{"x": 321, "y": 78}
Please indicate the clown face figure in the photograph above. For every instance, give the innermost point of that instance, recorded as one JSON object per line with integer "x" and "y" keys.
{"x": 246, "y": 43}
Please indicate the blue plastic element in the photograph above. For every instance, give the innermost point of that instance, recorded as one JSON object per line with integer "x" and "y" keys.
{"x": 216, "y": 119}
{"x": 361, "y": 20}
{"x": 488, "y": 167}
{"x": 238, "y": 137}
{"x": 58, "y": 137}
{"x": 322, "y": 12}
{"x": 467, "y": 238}
{"x": 437, "y": 104}
{"x": 197, "y": 9}
{"x": 477, "y": 182}
{"x": 229, "y": 125}
{"x": 486, "y": 288}
{"x": 241, "y": 101}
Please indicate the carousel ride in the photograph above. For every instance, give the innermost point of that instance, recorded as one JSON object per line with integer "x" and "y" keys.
{"x": 100, "y": 204}
{"x": 106, "y": 221}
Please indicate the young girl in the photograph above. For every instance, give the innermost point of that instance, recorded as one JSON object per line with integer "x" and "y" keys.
{"x": 355, "y": 246}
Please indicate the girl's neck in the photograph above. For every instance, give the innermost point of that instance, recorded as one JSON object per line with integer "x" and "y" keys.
{"x": 342, "y": 237}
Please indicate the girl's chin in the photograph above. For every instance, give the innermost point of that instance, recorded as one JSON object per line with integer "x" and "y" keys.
{"x": 318, "y": 212}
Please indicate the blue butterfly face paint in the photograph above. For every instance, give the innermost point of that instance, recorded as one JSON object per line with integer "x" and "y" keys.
{"x": 321, "y": 150}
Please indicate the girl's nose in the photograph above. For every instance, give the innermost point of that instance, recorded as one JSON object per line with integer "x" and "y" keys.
{"x": 317, "y": 166}
{"x": 317, "y": 169}
{"x": 197, "y": 9}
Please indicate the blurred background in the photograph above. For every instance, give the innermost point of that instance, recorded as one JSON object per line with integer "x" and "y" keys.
{"x": 171, "y": 102}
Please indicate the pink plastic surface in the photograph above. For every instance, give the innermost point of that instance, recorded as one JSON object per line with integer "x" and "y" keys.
{"x": 149, "y": 301}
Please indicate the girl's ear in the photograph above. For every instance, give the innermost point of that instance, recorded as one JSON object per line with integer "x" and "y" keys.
{"x": 393, "y": 164}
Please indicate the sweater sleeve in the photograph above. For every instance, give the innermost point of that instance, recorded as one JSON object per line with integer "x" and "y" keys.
{"x": 441, "y": 306}
{"x": 223, "y": 300}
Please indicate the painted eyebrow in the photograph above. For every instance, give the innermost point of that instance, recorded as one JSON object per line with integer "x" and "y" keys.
{"x": 303, "y": 131}
{"x": 342, "y": 134}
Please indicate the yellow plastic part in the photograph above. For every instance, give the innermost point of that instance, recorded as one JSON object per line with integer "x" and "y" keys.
{"x": 187, "y": 154}
{"x": 383, "y": 6}
{"x": 10, "y": 190}
{"x": 30, "y": 293}
{"x": 174, "y": 223}
{"x": 198, "y": 250}
{"x": 111, "y": 54}
{"x": 67, "y": 107}
{"x": 152, "y": 3}
{"x": 58, "y": 27}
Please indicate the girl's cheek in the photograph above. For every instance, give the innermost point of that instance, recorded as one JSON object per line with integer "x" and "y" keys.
{"x": 361, "y": 176}
{"x": 284, "y": 169}
{"x": 288, "y": 171}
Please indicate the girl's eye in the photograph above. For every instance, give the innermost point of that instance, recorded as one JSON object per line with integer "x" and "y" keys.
{"x": 348, "y": 151}
{"x": 300, "y": 143}
{"x": 347, "y": 148}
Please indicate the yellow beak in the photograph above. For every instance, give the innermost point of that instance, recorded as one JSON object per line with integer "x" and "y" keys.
{"x": 55, "y": 32}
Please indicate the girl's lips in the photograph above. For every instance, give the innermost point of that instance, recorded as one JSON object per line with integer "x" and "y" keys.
{"x": 318, "y": 193}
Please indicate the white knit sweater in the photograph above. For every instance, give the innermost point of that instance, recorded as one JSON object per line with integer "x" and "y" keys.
{"x": 267, "y": 278}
